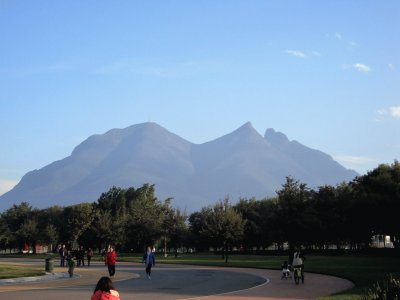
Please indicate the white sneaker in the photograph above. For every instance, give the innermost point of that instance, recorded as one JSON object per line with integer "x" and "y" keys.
{"x": 148, "y": 276}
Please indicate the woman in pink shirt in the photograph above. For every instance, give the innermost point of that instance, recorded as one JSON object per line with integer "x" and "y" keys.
{"x": 105, "y": 290}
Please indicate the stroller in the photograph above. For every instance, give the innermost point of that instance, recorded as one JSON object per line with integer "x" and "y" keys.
{"x": 286, "y": 271}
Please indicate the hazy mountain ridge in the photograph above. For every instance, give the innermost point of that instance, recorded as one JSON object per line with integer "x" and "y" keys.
{"x": 242, "y": 163}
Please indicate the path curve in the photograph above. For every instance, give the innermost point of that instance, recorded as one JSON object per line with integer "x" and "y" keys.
{"x": 217, "y": 285}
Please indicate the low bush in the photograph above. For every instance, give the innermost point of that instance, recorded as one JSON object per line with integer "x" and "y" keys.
{"x": 386, "y": 289}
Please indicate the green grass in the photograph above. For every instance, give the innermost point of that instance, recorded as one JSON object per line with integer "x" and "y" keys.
{"x": 15, "y": 271}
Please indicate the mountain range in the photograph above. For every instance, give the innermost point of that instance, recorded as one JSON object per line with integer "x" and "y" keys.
{"x": 241, "y": 164}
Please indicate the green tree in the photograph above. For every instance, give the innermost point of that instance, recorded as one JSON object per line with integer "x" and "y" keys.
{"x": 292, "y": 213}
{"x": 195, "y": 237}
{"x": 6, "y": 235}
{"x": 100, "y": 233}
{"x": 77, "y": 219}
{"x": 15, "y": 217}
{"x": 50, "y": 235}
{"x": 331, "y": 207}
{"x": 378, "y": 195}
{"x": 55, "y": 234}
{"x": 272, "y": 231}
{"x": 224, "y": 225}
{"x": 250, "y": 211}
{"x": 28, "y": 232}
{"x": 114, "y": 201}
{"x": 175, "y": 227}
{"x": 144, "y": 223}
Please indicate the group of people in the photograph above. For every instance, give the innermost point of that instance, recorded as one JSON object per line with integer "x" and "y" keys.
{"x": 71, "y": 258}
{"x": 76, "y": 254}
{"x": 105, "y": 289}
{"x": 110, "y": 259}
{"x": 297, "y": 261}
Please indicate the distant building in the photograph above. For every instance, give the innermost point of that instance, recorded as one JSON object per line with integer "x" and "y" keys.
{"x": 381, "y": 241}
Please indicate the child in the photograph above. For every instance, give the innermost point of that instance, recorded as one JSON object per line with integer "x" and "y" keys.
{"x": 285, "y": 270}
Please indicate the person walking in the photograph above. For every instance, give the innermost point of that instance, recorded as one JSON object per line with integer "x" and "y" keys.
{"x": 89, "y": 254}
{"x": 80, "y": 256}
{"x": 62, "y": 251}
{"x": 71, "y": 264}
{"x": 111, "y": 259}
{"x": 149, "y": 260}
{"x": 105, "y": 290}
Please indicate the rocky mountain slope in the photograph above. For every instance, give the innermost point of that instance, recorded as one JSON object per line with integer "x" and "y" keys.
{"x": 240, "y": 164}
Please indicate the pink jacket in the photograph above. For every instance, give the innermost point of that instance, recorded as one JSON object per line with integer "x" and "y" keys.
{"x": 100, "y": 295}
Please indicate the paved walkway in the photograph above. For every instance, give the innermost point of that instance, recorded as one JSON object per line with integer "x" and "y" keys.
{"x": 171, "y": 282}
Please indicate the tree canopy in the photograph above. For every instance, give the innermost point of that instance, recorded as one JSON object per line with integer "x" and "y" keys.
{"x": 131, "y": 219}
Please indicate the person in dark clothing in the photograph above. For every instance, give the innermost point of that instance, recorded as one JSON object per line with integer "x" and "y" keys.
{"x": 71, "y": 264}
{"x": 62, "y": 251}
{"x": 89, "y": 254}
{"x": 80, "y": 256}
{"x": 149, "y": 260}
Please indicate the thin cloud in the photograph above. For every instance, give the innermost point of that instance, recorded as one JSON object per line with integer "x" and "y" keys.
{"x": 394, "y": 111}
{"x": 358, "y": 160}
{"x": 362, "y": 68}
{"x": 381, "y": 112}
{"x": 296, "y": 53}
{"x": 338, "y": 36}
{"x": 352, "y": 44}
{"x": 358, "y": 163}
{"x": 358, "y": 67}
{"x": 391, "y": 67}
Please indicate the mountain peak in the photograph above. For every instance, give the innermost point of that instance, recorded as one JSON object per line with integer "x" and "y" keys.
{"x": 247, "y": 125}
{"x": 275, "y": 137}
{"x": 246, "y": 129}
{"x": 242, "y": 163}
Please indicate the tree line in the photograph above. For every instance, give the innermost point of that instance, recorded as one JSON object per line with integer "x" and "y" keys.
{"x": 346, "y": 215}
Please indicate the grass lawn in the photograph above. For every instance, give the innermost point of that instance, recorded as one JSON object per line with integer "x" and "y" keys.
{"x": 15, "y": 271}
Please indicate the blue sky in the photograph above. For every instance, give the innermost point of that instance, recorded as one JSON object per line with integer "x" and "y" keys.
{"x": 325, "y": 73}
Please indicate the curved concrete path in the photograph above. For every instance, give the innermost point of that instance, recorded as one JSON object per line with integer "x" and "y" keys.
{"x": 175, "y": 282}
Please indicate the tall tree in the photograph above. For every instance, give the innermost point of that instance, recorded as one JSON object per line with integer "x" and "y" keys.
{"x": 145, "y": 219}
{"x": 50, "y": 236}
{"x": 28, "y": 232}
{"x": 77, "y": 219}
{"x": 224, "y": 225}
{"x": 100, "y": 233}
{"x": 196, "y": 238}
{"x": 176, "y": 228}
{"x": 292, "y": 211}
{"x": 250, "y": 211}
{"x": 15, "y": 217}
{"x": 378, "y": 195}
